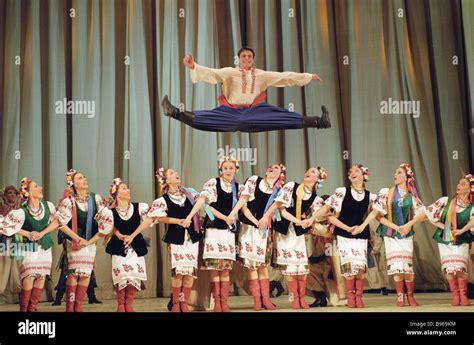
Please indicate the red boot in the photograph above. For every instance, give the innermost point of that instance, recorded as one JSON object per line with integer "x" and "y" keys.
{"x": 453, "y": 286}
{"x": 24, "y": 299}
{"x": 70, "y": 298}
{"x": 130, "y": 293}
{"x": 400, "y": 288}
{"x": 34, "y": 299}
{"x": 301, "y": 293}
{"x": 186, "y": 291}
{"x": 265, "y": 290}
{"x": 350, "y": 292}
{"x": 359, "y": 290}
{"x": 410, "y": 290}
{"x": 216, "y": 293}
{"x": 81, "y": 291}
{"x": 176, "y": 296}
{"x": 255, "y": 291}
{"x": 120, "y": 296}
{"x": 225, "y": 287}
{"x": 294, "y": 298}
{"x": 463, "y": 291}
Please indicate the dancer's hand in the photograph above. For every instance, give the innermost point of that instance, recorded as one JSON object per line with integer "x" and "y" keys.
{"x": 185, "y": 223}
{"x": 32, "y": 236}
{"x": 120, "y": 236}
{"x": 263, "y": 223}
{"x": 316, "y": 77}
{"x": 351, "y": 229}
{"x": 82, "y": 243}
{"x": 230, "y": 220}
{"x": 306, "y": 223}
{"x": 404, "y": 229}
{"x": 457, "y": 232}
{"x": 128, "y": 240}
{"x": 37, "y": 235}
{"x": 357, "y": 230}
{"x": 188, "y": 61}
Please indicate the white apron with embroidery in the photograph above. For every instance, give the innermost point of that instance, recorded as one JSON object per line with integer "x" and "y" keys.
{"x": 184, "y": 257}
{"x": 252, "y": 245}
{"x": 219, "y": 244}
{"x": 37, "y": 263}
{"x": 290, "y": 251}
{"x": 399, "y": 254}
{"x": 353, "y": 251}
{"x": 129, "y": 269}
{"x": 454, "y": 258}
{"x": 81, "y": 262}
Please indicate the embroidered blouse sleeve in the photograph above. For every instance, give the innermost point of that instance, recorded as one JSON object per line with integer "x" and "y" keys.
{"x": 64, "y": 211}
{"x": 105, "y": 219}
{"x": 282, "y": 79}
{"x": 335, "y": 200}
{"x": 158, "y": 208}
{"x": 381, "y": 203}
{"x": 209, "y": 191}
{"x": 13, "y": 222}
{"x": 209, "y": 75}
{"x": 286, "y": 194}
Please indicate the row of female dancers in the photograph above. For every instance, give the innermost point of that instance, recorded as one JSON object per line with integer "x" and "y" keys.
{"x": 260, "y": 222}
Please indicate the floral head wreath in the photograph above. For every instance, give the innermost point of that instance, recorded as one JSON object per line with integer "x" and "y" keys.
{"x": 364, "y": 169}
{"x": 409, "y": 171}
{"x": 113, "y": 189}
{"x": 70, "y": 178}
{"x": 24, "y": 185}
{"x": 224, "y": 159}
{"x": 470, "y": 178}
{"x": 323, "y": 175}
{"x": 161, "y": 176}
{"x": 281, "y": 178}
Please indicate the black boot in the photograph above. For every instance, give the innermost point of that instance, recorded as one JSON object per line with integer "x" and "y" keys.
{"x": 272, "y": 287}
{"x": 170, "y": 304}
{"x": 384, "y": 291}
{"x": 91, "y": 296}
{"x": 279, "y": 288}
{"x": 59, "y": 297}
{"x": 170, "y": 110}
{"x": 316, "y": 121}
{"x": 320, "y": 300}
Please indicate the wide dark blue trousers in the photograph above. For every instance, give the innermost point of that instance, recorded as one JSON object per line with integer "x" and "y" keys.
{"x": 260, "y": 118}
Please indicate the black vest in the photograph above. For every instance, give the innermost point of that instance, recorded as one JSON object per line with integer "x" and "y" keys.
{"x": 283, "y": 225}
{"x": 223, "y": 205}
{"x": 175, "y": 233}
{"x": 353, "y": 213}
{"x": 127, "y": 227}
{"x": 257, "y": 205}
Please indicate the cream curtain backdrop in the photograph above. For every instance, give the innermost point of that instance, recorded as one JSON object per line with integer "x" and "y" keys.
{"x": 126, "y": 55}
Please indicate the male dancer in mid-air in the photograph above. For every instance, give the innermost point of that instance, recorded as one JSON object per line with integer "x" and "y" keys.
{"x": 242, "y": 107}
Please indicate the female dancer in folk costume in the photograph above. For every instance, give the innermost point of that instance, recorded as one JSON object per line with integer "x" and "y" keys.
{"x": 242, "y": 106}
{"x": 350, "y": 227}
{"x": 298, "y": 203}
{"x": 256, "y": 198}
{"x": 454, "y": 219}
{"x": 398, "y": 208}
{"x": 10, "y": 282}
{"x": 117, "y": 221}
{"x": 76, "y": 211}
{"x": 181, "y": 236}
{"x": 29, "y": 226}
{"x": 221, "y": 194}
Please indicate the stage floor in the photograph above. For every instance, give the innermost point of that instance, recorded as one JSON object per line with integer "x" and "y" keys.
{"x": 430, "y": 302}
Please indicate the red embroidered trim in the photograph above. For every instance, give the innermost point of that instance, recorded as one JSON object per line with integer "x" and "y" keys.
{"x": 244, "y": 81}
